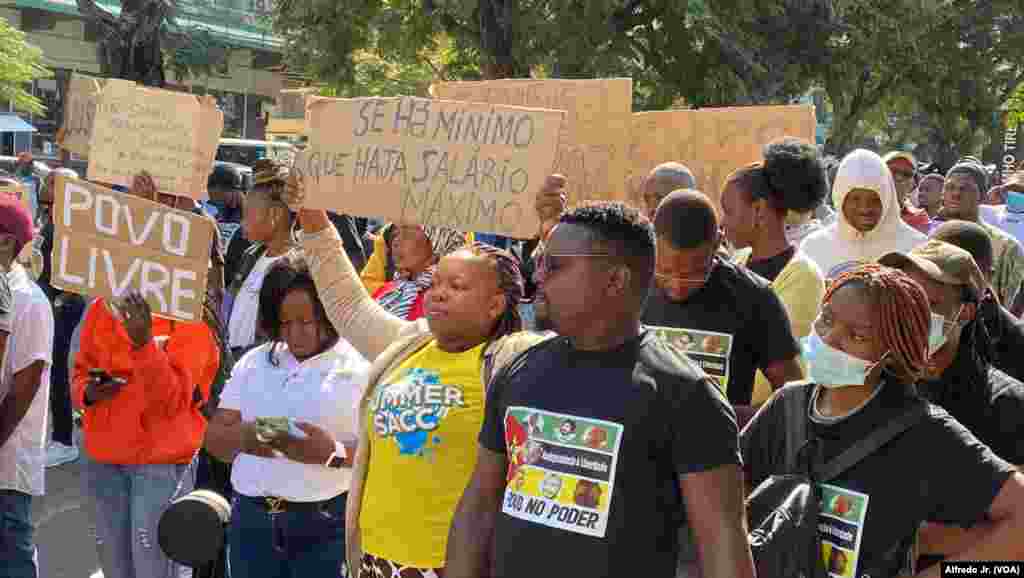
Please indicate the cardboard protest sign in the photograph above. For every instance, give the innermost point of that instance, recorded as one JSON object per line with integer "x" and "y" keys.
{"x": 80, "y": 111}
{"x": 711, "y": 142}
{"x": 171, "y": 135}
{"x": 106, "y": 243}
{"x": 470, "y": 166}
{"x": 593, "y": 151}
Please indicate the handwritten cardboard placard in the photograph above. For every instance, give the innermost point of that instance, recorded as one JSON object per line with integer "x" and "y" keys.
{"x": 80, "y": 111}
{"x": 106, "y": 243}
{"x": 712, "y": 142}
{"x": 593, "y": 151}
{"x": 172, "y": 135}
{"x": 469, "y": 166}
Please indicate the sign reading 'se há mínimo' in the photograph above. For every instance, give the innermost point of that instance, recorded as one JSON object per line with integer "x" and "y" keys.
{"x": 106, "y": 243}
{"x": 463, "y": 165}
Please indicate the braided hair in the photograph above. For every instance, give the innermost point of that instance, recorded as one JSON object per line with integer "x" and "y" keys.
{"x": 511, "y": 283}
{"x": 903, "y": 316}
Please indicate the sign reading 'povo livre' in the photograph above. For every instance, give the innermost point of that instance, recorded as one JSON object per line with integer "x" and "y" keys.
{"x": 106, "y": 243}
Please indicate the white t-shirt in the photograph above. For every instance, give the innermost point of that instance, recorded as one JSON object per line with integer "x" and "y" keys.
{"x": 324, "y": 390}
{"x": 23, "y": 457}
{"x": 242, "y": 327}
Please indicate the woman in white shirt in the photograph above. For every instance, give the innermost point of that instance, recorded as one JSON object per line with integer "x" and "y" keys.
{"x": 288, "y": 514}
{"x": 267, "y": 224}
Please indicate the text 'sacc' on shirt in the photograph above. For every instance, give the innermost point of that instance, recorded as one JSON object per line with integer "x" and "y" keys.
{"x": 841, "y": 529}
{"x": 710, "y": 350}
{"x": 561, "y": 469}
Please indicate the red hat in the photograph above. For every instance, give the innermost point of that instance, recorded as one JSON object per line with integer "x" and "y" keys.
{"x": 16, "y": 221}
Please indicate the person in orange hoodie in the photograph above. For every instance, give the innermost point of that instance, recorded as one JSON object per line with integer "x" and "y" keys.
{"x": 142, "y": 381}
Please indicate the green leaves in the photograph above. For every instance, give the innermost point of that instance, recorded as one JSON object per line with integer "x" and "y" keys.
{"x": 20, "y": 64}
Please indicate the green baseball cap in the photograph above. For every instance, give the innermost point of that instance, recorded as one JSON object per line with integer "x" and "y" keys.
{"x": 942, "y": 262}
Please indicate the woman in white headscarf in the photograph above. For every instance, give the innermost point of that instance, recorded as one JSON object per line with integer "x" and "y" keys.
{"x": 416, "y": 251}
{"x": 869, "y": 222}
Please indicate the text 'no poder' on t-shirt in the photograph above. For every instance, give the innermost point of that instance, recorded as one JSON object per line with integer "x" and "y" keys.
{"x": 595, "y": 444}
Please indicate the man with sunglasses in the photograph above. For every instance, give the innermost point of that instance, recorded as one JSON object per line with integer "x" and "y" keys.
{"x": 739, "y": 322}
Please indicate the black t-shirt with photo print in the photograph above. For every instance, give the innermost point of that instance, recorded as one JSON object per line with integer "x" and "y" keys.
{"x": 937, "y": 471}
{"x": 595, "y": 444}
{"x": 736, "y": 309}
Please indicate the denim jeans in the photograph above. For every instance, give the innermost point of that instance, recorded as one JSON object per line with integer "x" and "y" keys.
{"x": 128, "y": 502}
{"x": 299, "y": 544}
{"x": 17, "y": 551}
{"x": 68, "y": 310}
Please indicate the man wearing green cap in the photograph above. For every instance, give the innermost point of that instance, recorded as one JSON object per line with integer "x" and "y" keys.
{"x": 961, "y": 377}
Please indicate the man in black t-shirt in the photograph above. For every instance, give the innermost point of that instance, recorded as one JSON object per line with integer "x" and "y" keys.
{"x": 725, "y": 317}
{"x": 597, "y": 445}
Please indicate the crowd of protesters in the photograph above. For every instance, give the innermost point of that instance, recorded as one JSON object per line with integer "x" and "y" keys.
{"x": 627, "y": 367}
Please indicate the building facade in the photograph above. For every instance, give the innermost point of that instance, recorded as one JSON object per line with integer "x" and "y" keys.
{"x": 246, "y": 91}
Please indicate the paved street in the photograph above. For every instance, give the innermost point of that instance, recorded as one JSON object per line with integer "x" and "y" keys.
{"x": 63, "y": 527}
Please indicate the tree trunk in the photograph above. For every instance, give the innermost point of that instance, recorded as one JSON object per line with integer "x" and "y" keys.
{"x": 498, "y": 23}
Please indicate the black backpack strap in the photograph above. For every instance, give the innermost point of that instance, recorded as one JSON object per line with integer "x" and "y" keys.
{"x": 872, "y": 443}
{"x": 795, "y": 398}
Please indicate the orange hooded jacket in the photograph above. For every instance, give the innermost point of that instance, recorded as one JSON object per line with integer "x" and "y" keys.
{"x": 155, "y": 418}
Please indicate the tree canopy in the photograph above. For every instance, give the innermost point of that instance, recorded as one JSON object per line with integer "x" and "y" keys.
{"x": 954, "y": 63}
{"x": 20, "y": 64}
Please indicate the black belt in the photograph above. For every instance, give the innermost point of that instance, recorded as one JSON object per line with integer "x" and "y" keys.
{"x": 275, "y": 505}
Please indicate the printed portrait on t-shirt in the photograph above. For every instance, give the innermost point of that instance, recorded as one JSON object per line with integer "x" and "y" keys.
{"x": 551, "y": 486}
{"x": 535, "y": 425}
{"x": 534, "y": 451}
{"x": 596, "y": 438}
{"x": 588, "y": 494}
{"x": 566, "y": 431}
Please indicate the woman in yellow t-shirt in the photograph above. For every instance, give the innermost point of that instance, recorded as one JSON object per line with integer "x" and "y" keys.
{"x": 424, "y": 404}
{"x": 755, "y": 202}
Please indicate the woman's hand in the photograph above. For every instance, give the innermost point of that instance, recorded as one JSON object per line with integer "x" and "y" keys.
{"x": 136, "y": 317}
{"x": 143, "y": 186}
{"x": 315, "y": 448}
{"x": 251, "y": 443}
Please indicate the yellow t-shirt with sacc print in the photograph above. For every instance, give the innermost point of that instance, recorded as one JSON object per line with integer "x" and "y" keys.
{"x": 423, "y": 422}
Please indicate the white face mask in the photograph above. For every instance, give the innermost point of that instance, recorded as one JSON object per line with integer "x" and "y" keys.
{"x": 831, "y": 368}
{"x": 940, "y": 331}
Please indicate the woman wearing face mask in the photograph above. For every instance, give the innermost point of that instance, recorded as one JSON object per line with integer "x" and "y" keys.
{"x": 869, "y": 222}
{"x": 866, "y": 350}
